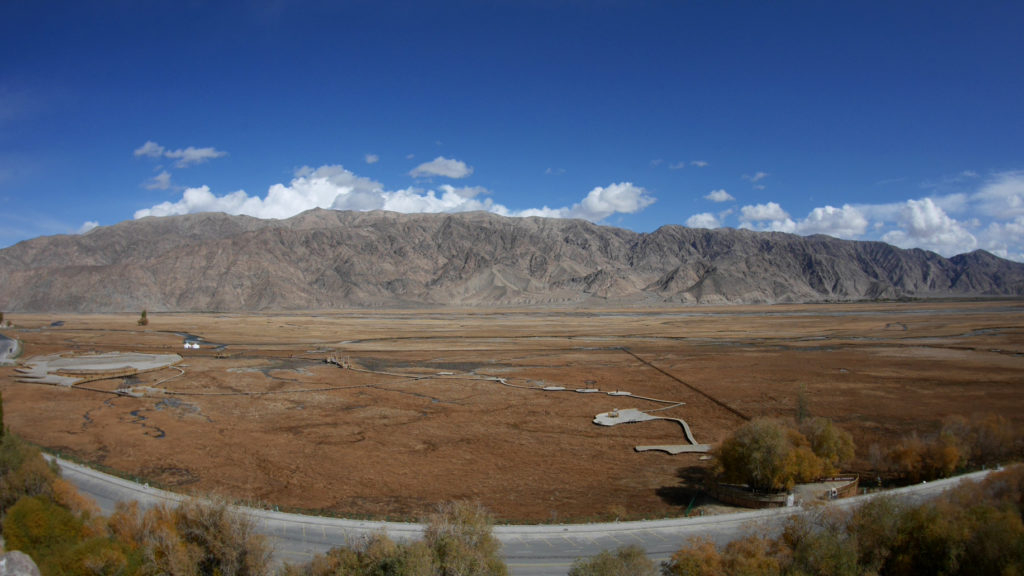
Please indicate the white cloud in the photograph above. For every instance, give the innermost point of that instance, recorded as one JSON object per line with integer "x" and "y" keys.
{"x": 699, "y": 164}
{"x": 703, "y": 220}
{"x": 193, "y": 155}
{"x": 161, "y": 181}
{"x": 757, "y": 177}
{"x": 1005, "y": 240}
{"x": 150, "y": 149}
{"x": 87, "y": 226}
{"x": 762, "y": 212}
{"x": 450, "y": 199}
{"x": 656, "y": 162}
{"x": 184, "y": 156}
{"x": 622, "y": 197}
{"x": 1002, "y": 196}
{"x": 442, "y": 166}
{"x": 372, "y": 158}
{"x": 766, "y": 217}
{"x": 719, "y": 196}
{"x": 846, "y": 222}
{"x": 320, "y": 188}
{"x": 600, "y": 203}
{"x": 677, "y": 166}
{"x": 337, "y": 188}
{"x": 555, "y": 171}
{"x": 924, "y": 224}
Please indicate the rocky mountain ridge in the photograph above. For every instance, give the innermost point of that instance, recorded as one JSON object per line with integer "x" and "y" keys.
{"x": 323, "y": 259}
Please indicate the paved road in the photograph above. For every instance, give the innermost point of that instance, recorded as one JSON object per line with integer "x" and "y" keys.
{"x": 545, "y": 550}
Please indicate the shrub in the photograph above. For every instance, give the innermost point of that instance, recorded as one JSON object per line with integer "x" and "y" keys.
{"x": 626, "y": 561}
{"x": 976, "y": 528}
{"x": 40, "y": 528}
{"x": 700, "y": 557}
{"x": 767, "y": 455}
{"x": 459, "y": 534}
{"x": 457, "y": 541}
{"x": 757, "y": 456}
{"x": 833, "y": 445}
{"x": 23, "y": 471}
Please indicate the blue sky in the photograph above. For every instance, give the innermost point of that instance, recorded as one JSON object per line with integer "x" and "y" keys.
{"x": 894, "y": 121}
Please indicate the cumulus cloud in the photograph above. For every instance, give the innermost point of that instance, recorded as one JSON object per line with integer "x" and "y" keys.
{"x": 766, "y": 217}
{"x": 699, "y": 163}
{"x": 320, "y": 188}
{"x": 1004, "y": 239}
{"x": 184, "y": 156}
{"x": 677, "y": 166}
{"x": 924, "y": 224}
{"x": 446, "y": 199}
{"x": 337, "y": 188}
{"x": 719, "y": 196}
{"x": 372, "y": 158}
{"x": 846, "y": 222}
{"x": 600, "y": 203}
{"x": 990, "y": 217}
{"x": 442, "y": 166}
{"x": 161, "y": 181}
{"x": 703, "y": 220}
{"x": 757, "y": 177}
{"x": 762, "y": 212}
{"x": 87, "y": 226}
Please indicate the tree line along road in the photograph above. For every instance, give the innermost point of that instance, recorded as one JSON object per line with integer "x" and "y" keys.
{"x": 529, "y": 550}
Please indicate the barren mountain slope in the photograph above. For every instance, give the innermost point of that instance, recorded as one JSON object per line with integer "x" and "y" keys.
{"x": 330, "y": 259}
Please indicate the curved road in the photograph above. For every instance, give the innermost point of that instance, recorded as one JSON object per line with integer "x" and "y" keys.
{"x": 541, "y": 550}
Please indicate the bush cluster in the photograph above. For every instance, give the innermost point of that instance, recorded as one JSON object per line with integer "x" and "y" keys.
{"x": 961, "y": 444}
{"x": 769, "y": 455}
{"x": 976, "y": 528}
{"x": 45, "y": 517}
{"x": 457, "y": 542}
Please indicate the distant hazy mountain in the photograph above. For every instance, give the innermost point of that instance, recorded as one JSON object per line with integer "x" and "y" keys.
{"x": 329, "y": 259}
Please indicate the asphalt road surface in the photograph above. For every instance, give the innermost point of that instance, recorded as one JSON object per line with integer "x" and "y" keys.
{"x": 542, "y": 550}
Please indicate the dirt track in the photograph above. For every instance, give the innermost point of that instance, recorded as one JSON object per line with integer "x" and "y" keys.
{"x": 273, "y": 423}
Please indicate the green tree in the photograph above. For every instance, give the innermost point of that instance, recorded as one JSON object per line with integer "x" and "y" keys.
{"x": 875, "y": 525}
{"x": 757, "y": 455}
{"x": 40, "y": 528}
{"x": 803, "y": 411}
{"x": 143, "y": 319}
{"x": 23, "y": 471}
{"x": 833, "y": 445}
{"x": 817, "y": 542}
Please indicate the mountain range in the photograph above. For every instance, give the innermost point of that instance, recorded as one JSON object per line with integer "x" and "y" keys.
{"x": 327, "y": 259}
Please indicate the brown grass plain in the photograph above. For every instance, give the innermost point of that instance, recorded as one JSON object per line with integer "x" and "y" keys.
{"x": 266, "y": 420}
